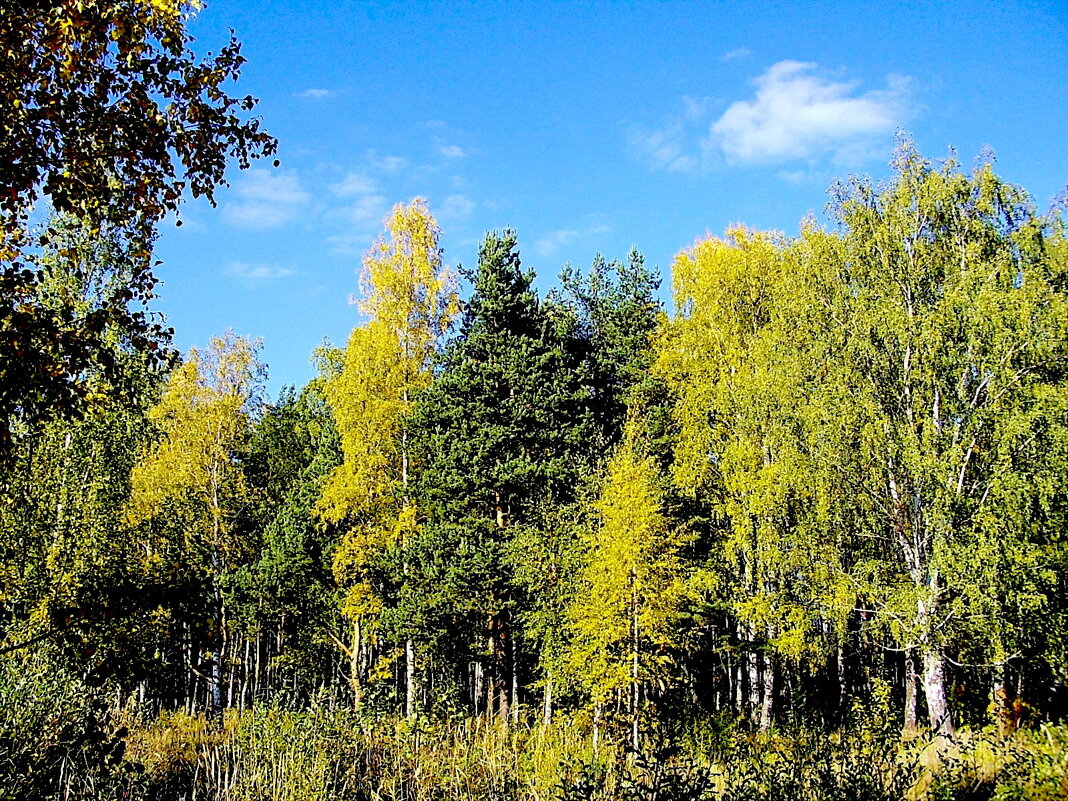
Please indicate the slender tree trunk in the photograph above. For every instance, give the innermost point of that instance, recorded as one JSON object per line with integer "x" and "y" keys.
{"x": 728, "y": 676}
{"x": 411, "y": 689}
{"x": 1001, "y": 698}
{"x": 547, "y": 707}
{"x": 739, "y": 685}
{"x": 501, "y": 635}
{"x": 912, "y": 717}
{"x": 246, "y": 670}
{"x": 219, "y": 661}
{"x": 752, "y": 659}
{"x": 767, "y": 707}
{"x": 514, "y": 684}
{"x": 478, "y": 689}
{"x": 355, "y": 668}
{"x": 504, "y": 669}
{"x": 596, "y": 726}
{"x": 493, "y": 677}
{"x": 843, "y": 681}
{"x": 635, "y": 687}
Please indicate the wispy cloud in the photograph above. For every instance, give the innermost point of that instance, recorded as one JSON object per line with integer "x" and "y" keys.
{"x": 456, "y": 207}
{"x": 354, "y": 183}
{"x": 254, "y": 271}
{"x": 451, "y": 151}
{"x": 387, "y": 163}
{"x": 799, "y": 114}
{"x": 263, "y": 198}
{"x": 549, "y": 244}
{"x": 316, "y": 94}
{"x": 739, "y": 52}
{"x": 368, "y": 210}
{"x": 675, "y": 146}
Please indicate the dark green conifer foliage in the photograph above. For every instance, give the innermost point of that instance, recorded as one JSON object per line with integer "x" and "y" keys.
{"x": 290, "y": 585}
{"x": 501, "y": 430}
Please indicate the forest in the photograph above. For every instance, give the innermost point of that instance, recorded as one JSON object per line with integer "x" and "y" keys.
{"x": 799, "y": 535}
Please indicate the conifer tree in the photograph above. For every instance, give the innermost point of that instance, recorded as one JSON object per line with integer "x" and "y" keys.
{"x": 629, "y": 588}
{"x": 499, "y": 434}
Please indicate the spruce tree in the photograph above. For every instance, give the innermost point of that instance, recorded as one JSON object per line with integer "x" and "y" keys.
{"x": 497, "y": 438}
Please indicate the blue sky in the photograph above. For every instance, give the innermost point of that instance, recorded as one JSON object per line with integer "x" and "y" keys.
{"x": 587, "y": 127}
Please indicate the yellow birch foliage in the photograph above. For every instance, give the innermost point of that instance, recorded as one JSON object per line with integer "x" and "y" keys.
{"x": 744, "y": 357}
{"x": 410, "y": 300}
{"x": 630, "y": 586}
{"x": 203, "y": 416}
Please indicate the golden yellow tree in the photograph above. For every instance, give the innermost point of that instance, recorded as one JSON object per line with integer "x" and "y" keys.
{"x": 622, "y": 617}
{"x": 191, "y": 474}
{"x": 409, "y": 300}
{"x": 744, "y": 358}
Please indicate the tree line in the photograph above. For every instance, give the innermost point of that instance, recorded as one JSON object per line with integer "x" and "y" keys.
{"x": 834, "y": 470}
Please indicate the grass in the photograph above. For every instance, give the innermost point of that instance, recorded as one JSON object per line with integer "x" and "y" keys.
{"x": 286, "y": 755}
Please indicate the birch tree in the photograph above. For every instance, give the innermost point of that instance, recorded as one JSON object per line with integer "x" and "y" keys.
{"x": 958, "y": 347}
{"x": 189, "y": 487}
{"x": 409, "y": 300}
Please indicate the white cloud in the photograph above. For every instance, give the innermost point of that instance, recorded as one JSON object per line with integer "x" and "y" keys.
{"x": 667, "y": 148}
{"x": 256, "y": 271}
{"x": 452, "y": 151}
{"x": 798, "y": 114}
{"x": 387, "y": 163}
{"x": 550, "y": 243}
{"x": 316, "y": 94}
{"x": 368, "y": 210}
{"x": 265, "y": 198}
{"x": 740, "y": 52}
{"x": 675, "y": 146}
{"x": 354, "y": 184}
{"x": 456, "y": 207}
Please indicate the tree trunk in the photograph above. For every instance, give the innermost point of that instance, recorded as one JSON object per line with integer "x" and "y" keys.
{"x": 843, "y": 682}
{"x": 767, "y": 708}
{"x": 635, "y": 687}
{"x": 752, "y": 659}
{"x": 411, "y": 689}
{"x": 934, "y": 690}
{"x": 912, "y": 718}
{"x": 355, "y": 666}
{"x": 596, "y": 727}
{"x": 1001, "y": 699}
{"x": 504, "y": 669}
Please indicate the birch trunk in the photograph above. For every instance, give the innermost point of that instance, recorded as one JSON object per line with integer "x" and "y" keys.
{"x": 767, "y": 708}
{"x": 912, "y": 718}
{"x": 934, "y": 690}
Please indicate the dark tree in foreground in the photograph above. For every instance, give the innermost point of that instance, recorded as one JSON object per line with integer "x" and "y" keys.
{"x": 106, "y": 114}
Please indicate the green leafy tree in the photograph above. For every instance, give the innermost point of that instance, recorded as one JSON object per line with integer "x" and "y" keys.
{"x": 957, "y": 314}
{"x": 286, "y": 596}
{"x": 743, "y": 358}
{"x": 499, "y": 435}
{"x": 71, "y": 571}
{"x": 106, "y": 113}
